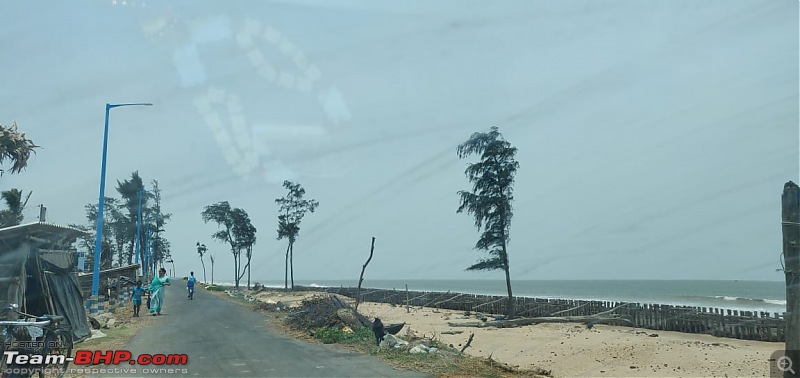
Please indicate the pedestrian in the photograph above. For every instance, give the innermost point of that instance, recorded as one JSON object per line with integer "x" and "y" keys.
{"x": 157, "y": 291}
{"x": 138, "y": 291}
{"x": 190, "y": 285}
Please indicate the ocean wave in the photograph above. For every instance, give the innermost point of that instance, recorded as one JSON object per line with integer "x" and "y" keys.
{"x": 777, "y": 302}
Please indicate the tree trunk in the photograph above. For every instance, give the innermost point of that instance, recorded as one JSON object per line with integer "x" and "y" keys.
{"x": 510, "y": 310}
{"x": 204, "y": 269}
{"x": 130, "y": 255}
{"x": 291, "y": 263}
{"x": 212, "y": 271}
{"x": 361, "y": 277}
{"x": 235, "y": 271}
{"x": 249, "y": 256}
{"x": 286, "y": 268}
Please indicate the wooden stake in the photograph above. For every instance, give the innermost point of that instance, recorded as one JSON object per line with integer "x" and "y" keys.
{"x": 407, "y": 309}
{"x": 790, "y": 214}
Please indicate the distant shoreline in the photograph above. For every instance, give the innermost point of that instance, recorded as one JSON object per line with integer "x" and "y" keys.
{"x": 756, "y": 296}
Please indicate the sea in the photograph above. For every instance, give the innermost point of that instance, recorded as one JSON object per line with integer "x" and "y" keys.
{"x": 768, "y": 296}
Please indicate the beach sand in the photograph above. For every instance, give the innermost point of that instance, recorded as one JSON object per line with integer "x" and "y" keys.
{"x": 572, "y": 350}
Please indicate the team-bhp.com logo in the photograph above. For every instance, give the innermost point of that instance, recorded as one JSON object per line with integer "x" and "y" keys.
{"x": 14, "y": 360}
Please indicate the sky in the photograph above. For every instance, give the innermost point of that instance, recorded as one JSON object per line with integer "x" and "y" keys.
{"x": 654, "y": 138}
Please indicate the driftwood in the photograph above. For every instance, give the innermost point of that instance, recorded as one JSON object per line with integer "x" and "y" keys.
{"x": 452, "y": 332}
{"x": 536, "y": 371}
{"x": 469, "y": 341}
{"x": 361, "y": 278}
{"x": 500, "y": 365}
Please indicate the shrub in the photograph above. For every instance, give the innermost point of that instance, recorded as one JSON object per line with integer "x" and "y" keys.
{"x": 334, "y": 335}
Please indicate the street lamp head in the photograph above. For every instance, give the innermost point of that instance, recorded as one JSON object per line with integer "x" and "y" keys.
{"x": 128, "y": 104}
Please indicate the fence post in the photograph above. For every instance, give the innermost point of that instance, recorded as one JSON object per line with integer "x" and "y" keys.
{"x": 790, "y": 214}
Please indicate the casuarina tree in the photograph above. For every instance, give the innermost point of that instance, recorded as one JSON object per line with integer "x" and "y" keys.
{"x": 490, "y": 199}
{"x": 292, "y": 210}
{"x": 235, "y": 229}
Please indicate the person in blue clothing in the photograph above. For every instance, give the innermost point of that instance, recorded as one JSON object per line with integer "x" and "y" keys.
{"x": 190, "y": 285}
{"x": 138, "y": 291}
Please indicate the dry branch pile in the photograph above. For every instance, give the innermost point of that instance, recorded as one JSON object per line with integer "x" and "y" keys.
{"x": 326, "y": 311}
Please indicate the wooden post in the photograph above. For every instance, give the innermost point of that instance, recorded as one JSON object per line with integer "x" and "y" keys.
{"x": 790, "y": 214}
{"x": 407, "y": 309}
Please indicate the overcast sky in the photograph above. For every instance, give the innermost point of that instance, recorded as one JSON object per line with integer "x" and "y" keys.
{"x": 654, "y": 137}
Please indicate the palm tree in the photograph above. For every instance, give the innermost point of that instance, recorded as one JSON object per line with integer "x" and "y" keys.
{"x": 13, "y": 215}
{"x": 15, "y": 147}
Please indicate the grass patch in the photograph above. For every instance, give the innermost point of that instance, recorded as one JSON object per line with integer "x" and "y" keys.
{"x": 214, "y": 288}
{"x": 445, "y": 362}
{"x": 335, "y": 335}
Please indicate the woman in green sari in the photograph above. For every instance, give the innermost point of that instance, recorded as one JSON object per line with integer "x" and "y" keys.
{"x": 157, "y": 291}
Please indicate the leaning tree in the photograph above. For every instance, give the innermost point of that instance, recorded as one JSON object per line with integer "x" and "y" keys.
{"x": 490, "y": 199}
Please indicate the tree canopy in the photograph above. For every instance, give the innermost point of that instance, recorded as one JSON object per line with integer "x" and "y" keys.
{"x": 15, "y": 147}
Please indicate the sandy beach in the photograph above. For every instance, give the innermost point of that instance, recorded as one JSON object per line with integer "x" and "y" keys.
{"x": 571, "y": 350}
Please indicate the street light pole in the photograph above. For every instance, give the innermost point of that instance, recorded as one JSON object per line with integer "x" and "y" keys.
{"x": 98, "y": 244}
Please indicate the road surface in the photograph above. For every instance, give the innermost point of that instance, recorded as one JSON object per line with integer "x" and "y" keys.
{"x": 225, "y": 339}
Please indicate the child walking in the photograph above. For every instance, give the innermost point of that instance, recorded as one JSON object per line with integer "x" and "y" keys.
{"x": 137, "y": 298}
{"x": 190, "y": 285}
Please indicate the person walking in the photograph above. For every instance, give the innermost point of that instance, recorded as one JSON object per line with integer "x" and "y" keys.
{"x": 157, "y": 291}
{"x": 138, "y": 291}
{"x": 190, "y": 285}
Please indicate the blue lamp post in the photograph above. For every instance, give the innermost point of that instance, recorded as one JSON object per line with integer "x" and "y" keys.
{"x": 98, "y": 245}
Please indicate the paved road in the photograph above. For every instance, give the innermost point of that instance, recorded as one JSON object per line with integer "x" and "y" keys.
{"x": 225, "y": 339}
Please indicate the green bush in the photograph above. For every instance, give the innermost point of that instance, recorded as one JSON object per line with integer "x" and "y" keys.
{"x": 334, "y": 335}
{"x": 214, "y": 288}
